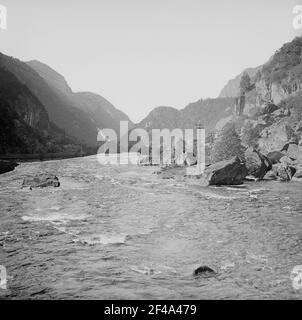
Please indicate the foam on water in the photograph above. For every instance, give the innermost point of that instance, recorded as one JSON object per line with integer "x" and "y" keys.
{"x": 55, "y": 217}
{"x": 102, "y": 239}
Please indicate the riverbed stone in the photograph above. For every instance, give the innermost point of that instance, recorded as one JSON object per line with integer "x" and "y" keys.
{"x": 41, "y": 181}
{"x": 284, "y": 171}
{"x": 204, "y": 270}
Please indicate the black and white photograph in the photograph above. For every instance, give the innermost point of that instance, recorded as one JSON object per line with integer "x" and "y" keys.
{"x": 150, "y": 150}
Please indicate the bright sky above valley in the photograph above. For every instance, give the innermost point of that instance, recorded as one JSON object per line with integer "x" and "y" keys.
{"x": 140, "y": 54}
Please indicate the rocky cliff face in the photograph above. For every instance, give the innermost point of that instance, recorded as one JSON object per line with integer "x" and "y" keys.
{"x": 22, "y": 101}
{"x": 232, "y": 88}
{"x": 274, "y": 99}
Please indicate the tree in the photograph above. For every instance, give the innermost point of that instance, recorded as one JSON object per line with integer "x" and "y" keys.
{"x": 251, "y": 134}
{"x": 227, "y": 144}
{"x": 245, "y": 83}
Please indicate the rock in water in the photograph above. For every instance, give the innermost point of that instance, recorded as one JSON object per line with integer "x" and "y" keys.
{"x": 284, "y": 172}
{"x": 203, "y": 270}
{"x": 7, "y": 166}
{"x": 256, "y": 163}
{"x": 227, "y": 172}
{"x": 190, "y": 159}
{"x": 41, "y": 181}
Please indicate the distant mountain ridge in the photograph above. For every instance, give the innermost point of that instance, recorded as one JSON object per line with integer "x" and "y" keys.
{"x": 208, "y": 112}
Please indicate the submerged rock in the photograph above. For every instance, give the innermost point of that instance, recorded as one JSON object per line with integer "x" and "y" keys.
{"x": 227, "y": 172}
{"x": 7, "y": 166}
{"x": 41, "y": 181}
{"x": 203, "y": 270}
{"x": 256, "y": 163}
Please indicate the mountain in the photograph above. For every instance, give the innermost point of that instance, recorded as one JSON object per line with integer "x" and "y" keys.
{"x": 24, "y": 122}
{"x": 100, "y": 111}
{"x": 232, "y": 88}
{"x": 79, "y": 115}
{"x": 161, "y": 118}
{"x": 208, "y": 112}
{"x": 269, "y": 112}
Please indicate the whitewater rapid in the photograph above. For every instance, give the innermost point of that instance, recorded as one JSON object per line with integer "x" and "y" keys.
{"x": 121, "y": 232}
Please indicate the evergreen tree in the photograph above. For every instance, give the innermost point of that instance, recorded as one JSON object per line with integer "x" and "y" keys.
{"x": 245, "y": 83}
{"x": 227, "y": 144}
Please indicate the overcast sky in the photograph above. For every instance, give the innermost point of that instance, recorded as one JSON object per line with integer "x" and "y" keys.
{"x": 140, "y": 54}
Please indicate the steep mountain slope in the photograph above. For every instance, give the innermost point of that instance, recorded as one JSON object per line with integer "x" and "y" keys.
{"x": 232, "y": 88}
{"x": 100, "y": 111}
{"x": 272, "y": 106}
{"x": 24, "y": 122}
{"x": 61, "y": 112}
{"x": 80, "y": 115}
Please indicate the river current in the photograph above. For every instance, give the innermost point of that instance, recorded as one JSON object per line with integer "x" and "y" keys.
{"x": 122, "y": 232}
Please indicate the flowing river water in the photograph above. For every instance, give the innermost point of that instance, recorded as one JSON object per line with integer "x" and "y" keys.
{"x": 121, "y": 232}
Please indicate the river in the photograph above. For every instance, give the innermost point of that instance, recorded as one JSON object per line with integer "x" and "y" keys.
{"x": 121, "y": 232}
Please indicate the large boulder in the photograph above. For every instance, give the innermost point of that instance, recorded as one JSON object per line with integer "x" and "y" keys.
{"x": 256, "y": 163}
{"x": 275, "y": 156}
{"x": 7, "y": 166}
{"x": 293, "y": 158}
{"x": 227, "y": 172}
{"x": 294, "y": 152}
{"x": 41, "y": 181}
{"x": 284, "y": 172}
{"x": 274, "y": 137}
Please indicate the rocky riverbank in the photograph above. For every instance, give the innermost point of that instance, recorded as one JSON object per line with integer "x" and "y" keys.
{"x": 7, "y": 166}
{"x": 282, "y": 165}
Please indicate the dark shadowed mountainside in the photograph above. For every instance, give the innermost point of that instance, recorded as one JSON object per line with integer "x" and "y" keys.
{"x": 24, "y": 122}
{"x": 99, "y": 110}
{"x": 79, "y": 115}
